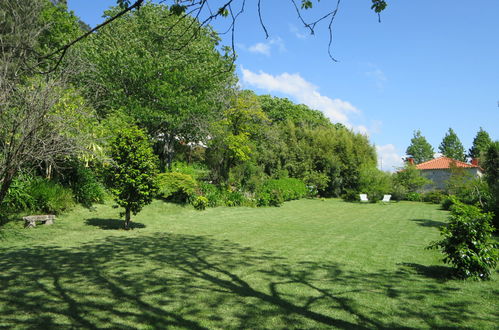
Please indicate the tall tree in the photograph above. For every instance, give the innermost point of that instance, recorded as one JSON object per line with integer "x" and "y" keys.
{"x": 36, "y": 126}
{"x": 132, "y": 172}
{"x": 481, "y": 143}
{"x": 420, "y": 149}
{"x": 491, "y": 166}
{"x": 452, "y": 147}
{"x": 149, "y": 65}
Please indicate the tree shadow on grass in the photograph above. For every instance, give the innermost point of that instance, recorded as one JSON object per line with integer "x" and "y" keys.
{"x": 429, "y": 223}
{"x": 196, "y": 282}
{"x": 439, "y": 273}
{"x": 110, "y": 224}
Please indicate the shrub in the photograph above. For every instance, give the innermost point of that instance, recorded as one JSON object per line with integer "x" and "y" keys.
{"x": 275, "y": 192}
{"x": 84, "y": 184}
{"x": 350, "y": 196}
{"x": 50, "y": 197}
{"x": 467, "y": 242}
{"x": 374, "y": 183}
{"x": 195, "y": 170}
{"x": 434, "y": 197}
{"x": 200, "y": 203}
{"x": 414, "y": 197}
{"x": 19, "y": 196}
{"x": 212, "y": 193}
{"x": 449, "y": 201}
{"x": 177, "y": 187}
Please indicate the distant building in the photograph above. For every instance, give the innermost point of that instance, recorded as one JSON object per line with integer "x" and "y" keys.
{"x": 438, "y": 170}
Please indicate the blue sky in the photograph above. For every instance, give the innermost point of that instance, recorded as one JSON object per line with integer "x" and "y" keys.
{"x": 428, "y": 65}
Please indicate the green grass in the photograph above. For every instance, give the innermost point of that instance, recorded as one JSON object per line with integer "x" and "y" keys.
{"x": 309, "y": 264}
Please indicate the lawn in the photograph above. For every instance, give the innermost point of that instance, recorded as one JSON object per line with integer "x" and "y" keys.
{"x": 307, "y": 264}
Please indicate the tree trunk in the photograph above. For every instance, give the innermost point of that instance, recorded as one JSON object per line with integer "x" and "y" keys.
{"x": 127, "y": 218}
{"x": 7, "y": 180}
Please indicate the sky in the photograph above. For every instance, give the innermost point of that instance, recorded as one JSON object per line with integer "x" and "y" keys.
{"x": 428, "y": 65}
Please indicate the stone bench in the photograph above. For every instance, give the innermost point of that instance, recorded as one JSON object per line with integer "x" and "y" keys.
{"x": 30, "y": 221}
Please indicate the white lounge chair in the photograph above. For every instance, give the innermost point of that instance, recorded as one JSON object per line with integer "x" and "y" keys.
{"x": 363, "y": 198}
{"x": 386, "y": 198}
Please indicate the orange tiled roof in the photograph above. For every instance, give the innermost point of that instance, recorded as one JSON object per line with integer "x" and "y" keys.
{"x": 442, "y": 163}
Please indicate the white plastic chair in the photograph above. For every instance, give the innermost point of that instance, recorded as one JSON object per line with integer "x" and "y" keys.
{"x": 386, "y": 198}
{"x": 363, "y": 198}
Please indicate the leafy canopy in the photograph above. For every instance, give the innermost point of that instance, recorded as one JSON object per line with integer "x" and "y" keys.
{"x": 452, "y": 147}
{"x": 420, "y": 149}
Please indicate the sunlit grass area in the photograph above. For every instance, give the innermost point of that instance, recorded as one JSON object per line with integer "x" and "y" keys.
{"x": 307, "y": 264}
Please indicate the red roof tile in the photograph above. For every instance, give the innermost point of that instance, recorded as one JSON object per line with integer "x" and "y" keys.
{"x": 442, "y": 163}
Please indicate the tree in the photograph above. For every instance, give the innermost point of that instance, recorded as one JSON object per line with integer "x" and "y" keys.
{"x": 420, "y": 149}
{"x": 146, "y": 65}
{"x": 481, "y": 143}
{"x": 410, "y": 178}
{"x": 491, "y": 166}
{"x": 207, "y": 11}
{"x": 236, "y": 134}
{"x": 132, "y": 171}
{"x": 451, "y": 146}
{"x": 37, "y": 126}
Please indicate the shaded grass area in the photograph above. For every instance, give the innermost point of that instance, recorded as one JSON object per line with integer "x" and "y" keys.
{"x": 309, "y": 264}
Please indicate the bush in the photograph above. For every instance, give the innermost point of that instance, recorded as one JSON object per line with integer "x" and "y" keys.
{"x": 200, "y": 203}
{"x": 449, "y": 201}
{"x": 350, "y": 196}
{"x": 374, "y": 183}
{"x": 414, "y": 197}
{"x": 177, "y": 187}
{"x": 19, "y": 196}
{"x": 84, "y": 184}
{"x": 467, "y": 242}
{"x": 434, "y": 197}
{"x": 50, "y": 197}
{"x": 212, "y": 193}
{"x": 275, "y": 192}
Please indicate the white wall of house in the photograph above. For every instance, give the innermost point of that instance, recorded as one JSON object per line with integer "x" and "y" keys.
{"x": 439, "y": 177}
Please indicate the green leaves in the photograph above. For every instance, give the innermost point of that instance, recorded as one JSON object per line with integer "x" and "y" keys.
{"x": 378, "y": 6}
{"x": 467, "y": 243}
{"x": 133, "y": 169}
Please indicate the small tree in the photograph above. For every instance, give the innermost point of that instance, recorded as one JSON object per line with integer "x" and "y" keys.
{"x": 420, "y": 149}
{"x": 132, "y": 173}
{"x": 452, "y": 147}
{"x": 410, "y": 178}
{"x": 467, "y": 242}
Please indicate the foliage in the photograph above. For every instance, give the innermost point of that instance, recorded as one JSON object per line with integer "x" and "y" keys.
{"x": 434, "y": 197}
{"x": 414, "y": 197}
{"x": 87, "y": 189}
{"x": 275, "y": 192}
{"x": 449, "y": 201}
{"x": 200, "y": 203}
{"x": 50, "y": 197}
{"x": 350, "y": 196}
{"x": 19, "y": 196}
{"x": 419, "y": 149}
{"x": 171, "y": 83}
{"x": 452, "y": 147}
{"x": 132, "y": 172}
{"x": 176, "y": 186}
{"x": 195, "y": 170}
{"x": 467, "y": 243}
{"x": 491, "y": 166}
{"x": 374, "y": 182}
{"x": 481, "y": 143}
{"x": 235, "y": 135}
{"x": 213, "y": 193}
{"x": 410, "y": 178}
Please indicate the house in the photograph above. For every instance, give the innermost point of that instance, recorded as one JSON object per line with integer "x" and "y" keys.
{"x": 439, "y": 170}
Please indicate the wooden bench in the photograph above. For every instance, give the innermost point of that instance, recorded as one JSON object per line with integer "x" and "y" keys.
{"x": 30, "y": 221}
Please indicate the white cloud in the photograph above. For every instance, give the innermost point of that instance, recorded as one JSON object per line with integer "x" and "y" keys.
{"x": 260, "y": 48}
{"x": 378, "y": 77}
{"x": 388, "y": 158}
{"x": 266, "y": 48}
{"x": 303, "y": 92}
{"x": 297, "y": 32}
